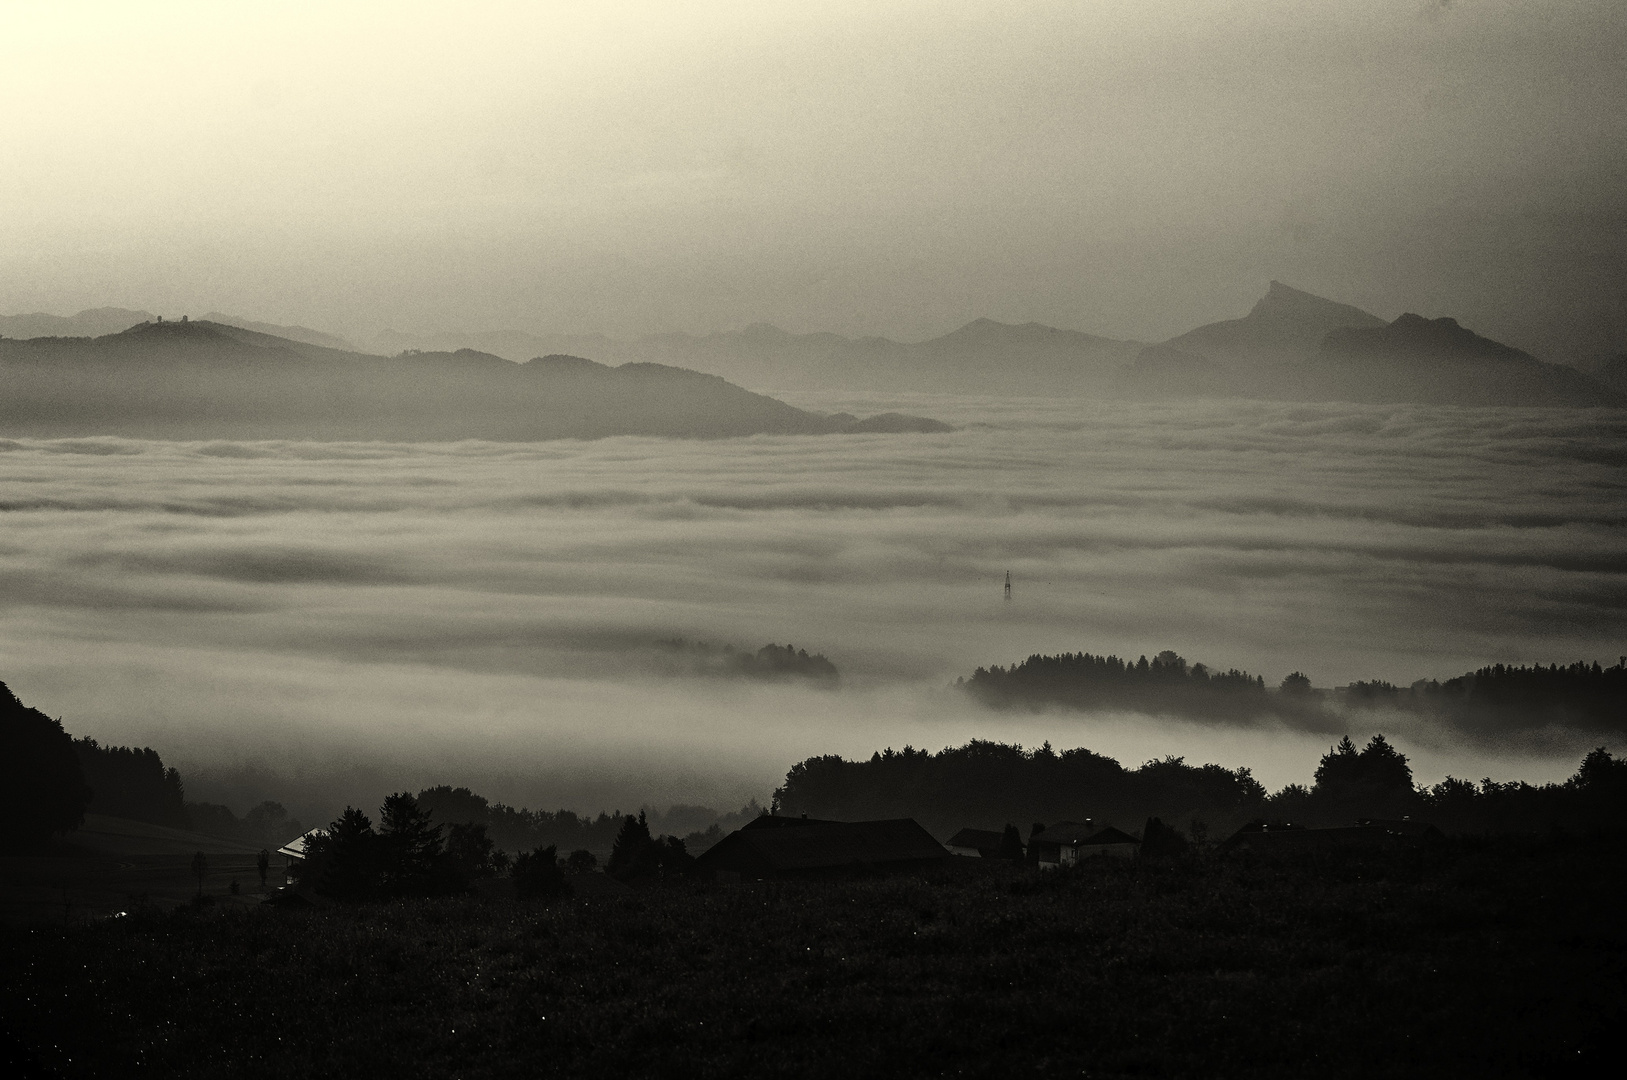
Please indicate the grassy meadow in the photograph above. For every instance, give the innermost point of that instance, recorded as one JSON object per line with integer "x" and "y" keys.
{"x": 1474, "y": 957}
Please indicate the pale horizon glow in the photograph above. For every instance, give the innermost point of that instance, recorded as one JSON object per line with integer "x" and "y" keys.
{"x": 1130, "y": 169}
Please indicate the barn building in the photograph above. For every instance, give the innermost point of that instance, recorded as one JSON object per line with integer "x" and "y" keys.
{"x": 782, "y": 847}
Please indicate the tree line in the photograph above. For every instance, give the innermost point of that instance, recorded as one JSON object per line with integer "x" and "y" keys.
{"x": 50, "y": 780}
{"x": 1583, "y": 696}
{"x": 518, "y": 829}
{"x": 986, "y": 784}
{"x": 410, "y": 854}
{"x": 989, "y": 784}
{"x": 1495, "y": 699}
{"x": 771, "y": 662}
{"x": 1164, "y": 684}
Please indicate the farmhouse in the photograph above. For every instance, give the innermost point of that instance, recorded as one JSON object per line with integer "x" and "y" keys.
{"x": 293, "y": 852}
{"x": 1107, "y": 843}
{"x": 781, "y": 847}
{"x": 1070, "y": 842}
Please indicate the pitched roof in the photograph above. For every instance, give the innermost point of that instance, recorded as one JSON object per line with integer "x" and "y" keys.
{"x": 1067, "y": 832}
{"x": 1080, "y": 834}
{"x": 1107, "y": 835}
{"x": 775, "y": 821}
{"x": 822, "y": 845}
{"x": 977, "y": 838}
{"x": 295, "y": 848}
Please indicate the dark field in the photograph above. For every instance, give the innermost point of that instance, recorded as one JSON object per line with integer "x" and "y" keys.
{"x": 1472, "y": 958}
{"x": 110, "y": 864}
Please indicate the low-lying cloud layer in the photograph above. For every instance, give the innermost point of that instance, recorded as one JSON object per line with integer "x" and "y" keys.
{"x": 487, "y": 613}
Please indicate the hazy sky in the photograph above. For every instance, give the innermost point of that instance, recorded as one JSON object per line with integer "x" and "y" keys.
{"x": 1132, "y": 168}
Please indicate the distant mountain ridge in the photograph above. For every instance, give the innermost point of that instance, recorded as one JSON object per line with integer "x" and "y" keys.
{"x": 1286, "y": 323}
{"x": 982, "y": 357}
{"x": 99, "y": 322}
{"x": 1248, "y": 357}
{"x": 1298, "y": 346}
{"x": 1291, "y": 345}
{"x": 1436, "y": 361}
{"x": 206, "y": 380}
{"x": 1274, "y": 352}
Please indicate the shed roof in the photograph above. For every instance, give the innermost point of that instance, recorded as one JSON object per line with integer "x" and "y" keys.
{"x": 295, "y": 848}
{"x": 1068, "y": 832}
{"x": 822, "y": 845}
{"x": 1107, "y": 835}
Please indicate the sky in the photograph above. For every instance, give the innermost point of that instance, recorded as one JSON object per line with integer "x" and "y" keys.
{"x": 1126, "y": 168}
{"x": 322, "y": 623}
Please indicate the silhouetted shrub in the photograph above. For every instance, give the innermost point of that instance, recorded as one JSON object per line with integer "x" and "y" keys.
{"x": 469, "y": 850}
{"x": 1373, "y": 782}
{"x": 537, "y": 875}
{"x": 409, "y": 846}
{"x": 344, "y": 862}
{"x": 631, "y": 841}
{"x": 1161, "y": 841}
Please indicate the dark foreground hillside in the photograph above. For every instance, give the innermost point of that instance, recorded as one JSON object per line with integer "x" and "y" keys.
{"x": 1474, "y": 958}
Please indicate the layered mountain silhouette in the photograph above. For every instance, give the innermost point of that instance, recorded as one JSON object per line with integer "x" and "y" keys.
{"x": 1255, "y": 356}
{"x": 207, "y": 380}
{"x": 982, "y": 357}
{"x": 1612, "y": 372}
{"x": 1297, "y": 346}
{"x": 97, "y": 322}
{"x": 1436, "y": 361}
{"x": 1292, "y": 345}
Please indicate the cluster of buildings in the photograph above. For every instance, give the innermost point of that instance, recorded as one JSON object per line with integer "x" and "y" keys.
{"x": 774, "y": 847}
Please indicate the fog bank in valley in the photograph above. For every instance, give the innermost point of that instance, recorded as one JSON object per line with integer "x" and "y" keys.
{"x": 351, "y": 618}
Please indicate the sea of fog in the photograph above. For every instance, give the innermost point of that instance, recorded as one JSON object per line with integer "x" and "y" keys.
{"x": 322, "y": 623}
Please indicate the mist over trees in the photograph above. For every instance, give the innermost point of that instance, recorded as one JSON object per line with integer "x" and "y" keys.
{"x": 1497, "y": 699}
{"x": 1164, "y": 684}
{"x": 776, "y": 663}
{"x": 132, "y": 782}
{"x": 1505, "y": 698}
{"x": 515, "y": 829}
{"x": 267, "y": 823}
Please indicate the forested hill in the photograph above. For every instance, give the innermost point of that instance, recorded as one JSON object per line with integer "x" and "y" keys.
{"x": 988, "y": 785}
{"x": 202, "y": 380}
{"x": 1492, "y": 701}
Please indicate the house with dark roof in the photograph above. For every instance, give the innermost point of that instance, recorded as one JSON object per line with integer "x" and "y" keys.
{"x": 293, "y": 852}
{"x": 1069, "y": 842}
{"x": 781, "y": 847}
